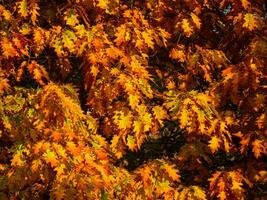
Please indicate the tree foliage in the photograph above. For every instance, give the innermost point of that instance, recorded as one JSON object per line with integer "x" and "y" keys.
{"x": 85, "y": 84}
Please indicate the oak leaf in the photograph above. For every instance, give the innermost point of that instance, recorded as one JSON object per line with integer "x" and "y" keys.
{"x": 133, "y": 100}
{"x": 160, "y": 114}
{"x": 145, "y": 172}
{"x": 94, "y": 70}
{"x": 8, "y": 49}
{"x": 258, "y": 148}
{"x": 23, "y": 8}
{"x": 34, "y": 11}
{"x": 214, "y": 144}
{"x": 130, "y": 142}
{"x": 246, "y": 4}
{"x": 187, "y": 28}
{"x": 171, "y": 171}
{"x": 71, "y": 18}
{"x": 177, "y": 55}
{"x": 17, "y": 160}
{"x": 196, "y": 20}
{"x": 4, "y": 85}
{"x": 148, "y": 38}
{"x": 5, "y": 13}
{"x": 120, "y": 34}
{"x": 199, "y": 193}
{"x": 50, "y": 157}
{"x": 250, "y": 22}
{"x": 122, "y": 120}
{"x": 102, "y": 4}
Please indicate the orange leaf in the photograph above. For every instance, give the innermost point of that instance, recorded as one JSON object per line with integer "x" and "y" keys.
{"x": 187, "y": 28}
{"x": 196, "y": 20}
{"x": 258, "y": 148}
{"x": 214, "y": 144}
{"x": 120, "y": 34}
{"x": 8, "y": 48}
{"x": 245, "y": 3}
{"x": 148, "y": 37}
{"x": 50, "y": 157}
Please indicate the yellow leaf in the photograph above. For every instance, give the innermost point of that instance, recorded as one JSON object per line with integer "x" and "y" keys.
{"x": 58, "y": 47}
{"x": 214, "y": 144}
{"x": 6, "y": 122}
{"x": 69, "y": 38}
{"x": 25, "y": 29}
{"x": 236, "y": 185}
{"x": 50, "y": 157}
{"x": 114, "y": 141}
{"x": 127, "y": 36}
{"x": 114, "y": 146}
{"x": 38, "y": 71}
{"x": 138, "y": 125}
{"x": 71, "y": 19}
{"x": 102, "y": 4}
{"x": 199, "y": 193}
{"x": 184, "y": 117}
{"x": 123, "y": 121}
{"x": 73, "y": 148}
{"x": 237, "y": 179}
{"x": 60, "y": 151}
{"x": 187, "y": 28}
{"x": 164, "y": 187}
{"x": 131, "y": 142}
{"x": 160, "y": 114}
{"x": 222, "y": 195}
{"x": 81, "y": 31}
{"x": 60, "y": 169}
{"x": 17, "y": 160}
{"x": 250, "y": 22}
{"x": 147, "y": 121}
{"x": 196, "y": 20}
{"x": 23, "y": 8}
{"x": 120, "y": 34}
{"x": 148, "y": 37}
{"x": 171, "y": 171}
{"x": 5, "y": 13}
{"x": 133, "y": 100}
{"x": 138, "y": 68}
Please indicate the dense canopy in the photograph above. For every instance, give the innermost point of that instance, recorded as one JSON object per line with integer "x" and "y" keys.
{"x": 133, "y": 99}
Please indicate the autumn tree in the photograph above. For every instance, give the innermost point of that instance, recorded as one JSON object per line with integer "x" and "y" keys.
{"x": 117, "y": 99}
